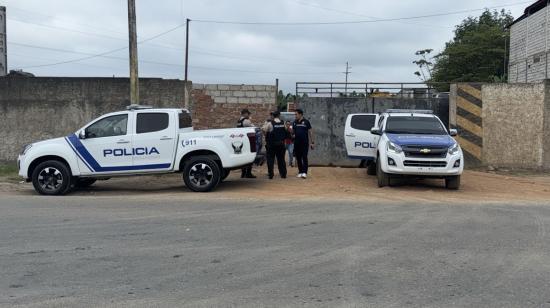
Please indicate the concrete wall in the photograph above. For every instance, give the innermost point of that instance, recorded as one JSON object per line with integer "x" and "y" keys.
{"x": 513, "y": 118}
{"x": 35, "y": 109}
{"x": 328, "y": 118}
{"x": 503, "y": 125}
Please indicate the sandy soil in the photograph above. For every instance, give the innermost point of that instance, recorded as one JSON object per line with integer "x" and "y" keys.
{"x": 323, "y": 183}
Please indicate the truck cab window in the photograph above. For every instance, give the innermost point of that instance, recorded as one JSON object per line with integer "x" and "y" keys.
{"x": 108, "y": 127}
{"x": 185, "y": 120}
{"x": 151, "y": 122}
{"x": 363, "y": 122}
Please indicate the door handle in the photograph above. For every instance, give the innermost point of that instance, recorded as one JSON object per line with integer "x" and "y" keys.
{"x": 350, "y": 135}
{"x": 166, "y": 138}
{"x": 122, "y": 141}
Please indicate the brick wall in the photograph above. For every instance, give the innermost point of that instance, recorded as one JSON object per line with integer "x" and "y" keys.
{"x": 220, "y": 105}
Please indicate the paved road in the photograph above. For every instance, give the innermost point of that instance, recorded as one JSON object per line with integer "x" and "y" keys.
{"x": 142, "y": 251}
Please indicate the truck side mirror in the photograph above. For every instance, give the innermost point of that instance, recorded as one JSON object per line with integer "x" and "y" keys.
{"x": 376, "y": 131}
{"x": 82, "y": 134}
{"x": 453, "y": 132}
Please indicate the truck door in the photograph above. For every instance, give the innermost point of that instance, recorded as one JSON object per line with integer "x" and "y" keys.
{"x": 154, "y": 140}
{"x": 106, "y": 146}
{"x": 360, "y": 142}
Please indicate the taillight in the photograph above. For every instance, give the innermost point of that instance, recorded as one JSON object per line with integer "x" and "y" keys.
{"x": 252, "y": 140}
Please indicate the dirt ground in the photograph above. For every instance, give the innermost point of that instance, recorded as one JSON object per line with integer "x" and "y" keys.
{"x": 324, "y": 183}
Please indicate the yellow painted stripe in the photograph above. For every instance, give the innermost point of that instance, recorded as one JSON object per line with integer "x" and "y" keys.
{"x": 471, "y": 90}
{"x": 469, "y": 147}
{"x": 466, "y": 105}
{"x": 469, "y": 126}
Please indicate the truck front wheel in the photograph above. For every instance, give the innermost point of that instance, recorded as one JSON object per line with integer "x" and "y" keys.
{"x": 201, "y": 174}
{"x": 452, "y": 182}
{"x": 51, "y": 177}
{"x": 383, "y": 177}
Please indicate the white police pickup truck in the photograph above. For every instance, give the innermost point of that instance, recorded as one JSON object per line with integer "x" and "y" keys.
{"x": 405, "y": 143}
{"x": 138, "y": 141}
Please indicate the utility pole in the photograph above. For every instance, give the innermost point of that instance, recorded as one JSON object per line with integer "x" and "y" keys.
{"x": 187, "y": 21}
{"x": 347, "y": 72}
{"x": 134, "y": 77}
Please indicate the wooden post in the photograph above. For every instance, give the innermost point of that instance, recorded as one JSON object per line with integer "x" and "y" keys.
{"x": 134, "y": 77}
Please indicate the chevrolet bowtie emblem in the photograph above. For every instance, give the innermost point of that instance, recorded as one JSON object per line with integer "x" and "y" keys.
{"x": 425, "y": 151}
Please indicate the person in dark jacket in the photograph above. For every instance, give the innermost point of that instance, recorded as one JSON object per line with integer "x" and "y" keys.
{"x": 303, "y": 141}
{"x": 276, "y": 133}
{"x": 245, "y": 121}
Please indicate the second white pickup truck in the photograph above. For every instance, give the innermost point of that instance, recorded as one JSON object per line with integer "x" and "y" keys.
{"x": 138, "y": 141}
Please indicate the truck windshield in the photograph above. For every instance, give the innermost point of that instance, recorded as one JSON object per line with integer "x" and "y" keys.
{"x": 415, "y": 125}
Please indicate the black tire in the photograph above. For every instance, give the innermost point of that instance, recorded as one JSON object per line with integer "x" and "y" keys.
{"x": 201, "y": 174}
{"x": 371, "y": 168}
{"x": 383, "y": 178}
{"x": 225, "y": 174}
{"x": 452, "y": 182}
{"x": 84, "y": 182}
{"x": 52, "y": 178}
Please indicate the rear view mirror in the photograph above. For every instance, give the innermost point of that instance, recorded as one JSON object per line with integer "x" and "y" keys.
{"x": 453, "y": 132}
{"x": 82, "y": 134}
{"x": 375, "y": 131}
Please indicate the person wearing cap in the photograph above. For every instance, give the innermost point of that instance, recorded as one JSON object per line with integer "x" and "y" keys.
{"x": 303, "y": 141}
{"x": 276, "y": 133}
{"x": 245, "y": 121}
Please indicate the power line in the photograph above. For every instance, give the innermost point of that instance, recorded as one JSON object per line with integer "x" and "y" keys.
{"x": 352, "y": 21}
{"x": 168, "y": 64}
{"x": 91, "y": 56}
{"x": 358, "y": 14}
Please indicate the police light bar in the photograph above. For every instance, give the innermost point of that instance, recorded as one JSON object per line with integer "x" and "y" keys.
{"x": 409, "y": 111}
{"x": 138, "y": 107}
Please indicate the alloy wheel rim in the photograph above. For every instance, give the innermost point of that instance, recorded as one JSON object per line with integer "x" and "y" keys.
{"x": 201, "y": 175}
{"x": 50, "y": 179}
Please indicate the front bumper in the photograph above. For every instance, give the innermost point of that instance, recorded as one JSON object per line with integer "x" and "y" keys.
{"x": 427, "y": 167}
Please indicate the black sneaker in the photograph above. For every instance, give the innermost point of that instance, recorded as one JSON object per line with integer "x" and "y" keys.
{"x": 250, "y": 176}
{"x": 270, "y": 177}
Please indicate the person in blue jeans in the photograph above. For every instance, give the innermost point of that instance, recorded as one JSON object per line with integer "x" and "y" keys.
{"x": 303, "y": 141}
{"x": 289, "y": 144}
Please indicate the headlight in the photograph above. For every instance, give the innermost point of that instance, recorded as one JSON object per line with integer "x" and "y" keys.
{"x": 454, "y": 149}
{"x": 25, "y": 149}
{"x": 394, "y": 147}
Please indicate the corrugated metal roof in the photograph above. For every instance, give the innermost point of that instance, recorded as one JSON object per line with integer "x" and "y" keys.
{"x": 530, "y": 10}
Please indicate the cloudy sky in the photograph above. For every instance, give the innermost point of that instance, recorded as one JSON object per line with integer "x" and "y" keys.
{"x": 42, "y": 33}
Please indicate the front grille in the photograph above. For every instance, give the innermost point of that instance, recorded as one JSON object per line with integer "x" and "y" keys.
{"x": 417, "y": 151}
{"x": 418, "y": 163}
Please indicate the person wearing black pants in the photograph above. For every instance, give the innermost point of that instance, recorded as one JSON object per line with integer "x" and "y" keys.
{"x": 303, "y": 141}
{"x": 277, "y": 133}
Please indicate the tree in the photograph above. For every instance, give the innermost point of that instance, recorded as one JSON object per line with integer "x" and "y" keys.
{"x": 424, "y": 64}
{"x": 283, "y": 99}
{"x": 477, "y": 53}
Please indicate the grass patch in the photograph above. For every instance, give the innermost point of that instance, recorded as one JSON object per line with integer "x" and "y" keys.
{"x": 9, "y": 171}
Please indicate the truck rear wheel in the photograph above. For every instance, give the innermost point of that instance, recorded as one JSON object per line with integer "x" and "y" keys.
{"x": 52, "y": 178}
{"x": 452, "y": 182}
{"x": 201, "y": 174}
{"x": 383, "y": 178}
{"x": 371, "y": 168}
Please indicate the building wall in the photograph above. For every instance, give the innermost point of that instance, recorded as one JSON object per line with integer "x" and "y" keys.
{"x": 529, "y": 40}
{"x": 34, "y": 109}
